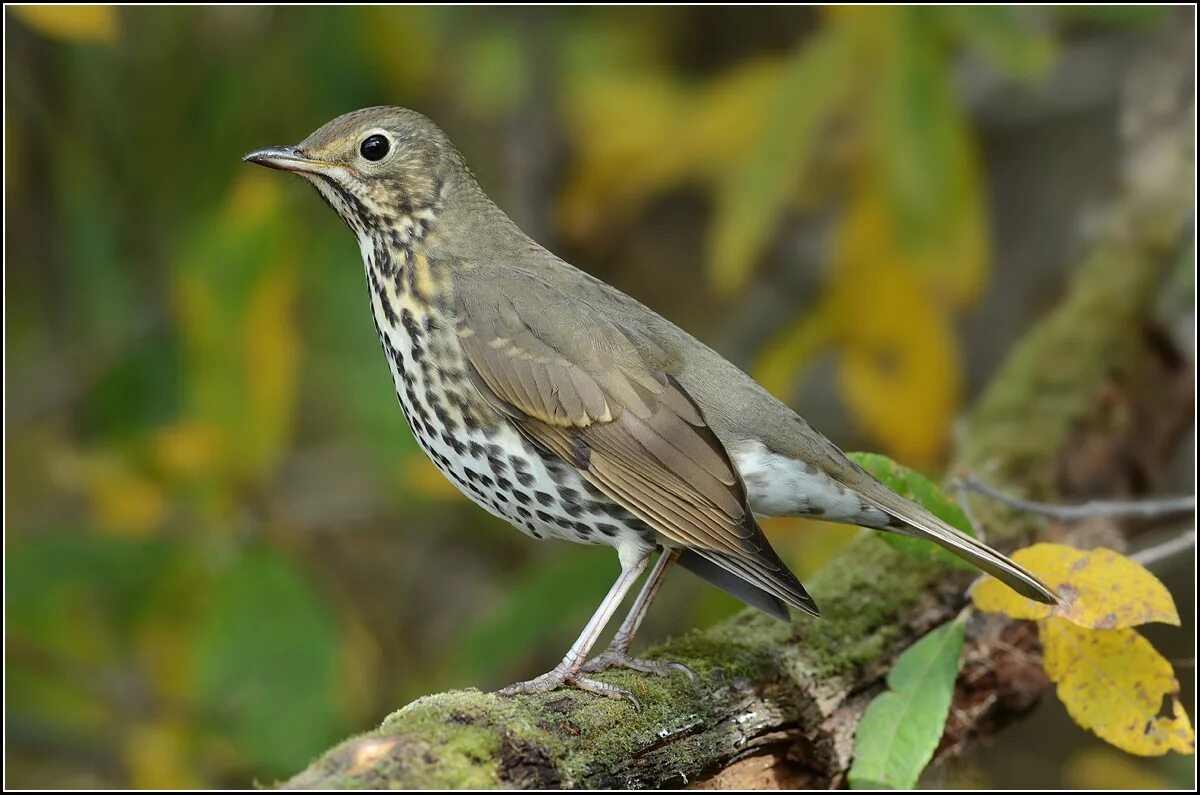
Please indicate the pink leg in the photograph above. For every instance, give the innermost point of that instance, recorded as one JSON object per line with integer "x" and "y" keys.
{"x": 617, "y": 653}
{"x": 567, "y": 671}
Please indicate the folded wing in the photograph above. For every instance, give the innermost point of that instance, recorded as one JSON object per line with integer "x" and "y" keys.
{"x": 582, "y": 390}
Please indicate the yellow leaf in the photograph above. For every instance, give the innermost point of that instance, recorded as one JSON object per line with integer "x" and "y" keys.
{"x": 1100, "y": 589}
{"x": 123, "y": 500}
{"x": 899, "y": 370}
{"x": 1113, "y": 683}
{"x": 1104, "y": 768}
{"x": 127, "y": 502}
{"x": 272, "y": 357}
{"x": 791, "y": 352}
{"x": 96, "y": 24}
{"x": 636, "y": 138}
{"x": 188, "y": 447}
{"x": 422, "y": 477}
{"x": 235, "y": 292}
{"x": 921, "y": 153}
{"x": 402, "y": 44}
{"x": 156, "y": 757}
{"x": 807, "y": 544}
{"x": 164, "y": 652}
{"x": 760, "y": 181}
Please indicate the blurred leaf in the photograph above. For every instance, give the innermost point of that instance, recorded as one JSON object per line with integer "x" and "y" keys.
{"x": 35, "y": 567}
{"x": 1016, "y": 38}
{"x": 923, "y": 491}
{"x": 348, "y": 376}
{"x": 402, "y": 43}
{"x": 923, "y": 156}
{"x": 755, "y": 188}
{"x": 164, "y": 646}
{"x": 495, "y": 79}
{"x": 620, "y": 129}
{"x": 95, "y": 24}
{"x": 139, "y": 390}
{"x": 638, "y": 137}
{"x": 553, "y": 598}
{"x": 78, "y": 597}
{"x": 187, "y": 448}
{"x": 899, "y": 368}
{"x": 271, "y": 362}
{"x": 1105, "y": 769}
{"x": 901, "y": 728}
{"x": 104, "y": 293}
{"x": 1116, "y": 685}
{"x": 266, "y": 663}
{"x": 125, "y": 500}
{"x": 421, "y": 476}
{"x": 807, "y": 544}
{"x": 1101, "y": 589}
{"x": 236, "y": 293}
{"x": 1118, "y": 15}
{"x": 792, "y": 351}
{"x": 156, "y": 755}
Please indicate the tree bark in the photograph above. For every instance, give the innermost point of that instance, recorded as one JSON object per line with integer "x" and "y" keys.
{"x": 1091, "y": 403}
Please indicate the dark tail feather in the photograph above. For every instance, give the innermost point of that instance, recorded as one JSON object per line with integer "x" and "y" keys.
{"x": 733, "y": 585}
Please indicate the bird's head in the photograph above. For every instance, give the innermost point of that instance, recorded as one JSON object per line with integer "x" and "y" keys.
{"x": 379, "y": 168}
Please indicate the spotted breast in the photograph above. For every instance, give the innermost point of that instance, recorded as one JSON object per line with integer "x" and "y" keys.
{"x": 474, "y": 445}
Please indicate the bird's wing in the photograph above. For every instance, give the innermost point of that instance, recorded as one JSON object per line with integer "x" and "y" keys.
{"x": 579, "y": 386}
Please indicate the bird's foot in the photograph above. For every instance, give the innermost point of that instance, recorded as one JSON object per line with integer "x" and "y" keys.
{"x": 564, "y": 677}
{"x": 617, "y": 658}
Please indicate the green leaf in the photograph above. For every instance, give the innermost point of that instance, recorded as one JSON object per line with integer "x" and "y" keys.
{"x": 1017, "y": 39}
{"x": 923, "y": 491}
{"x": 926, "y": 155}
{"x": 1131, "y": 16}
{"x": 756, "y": 190}
{"x": 236, "y": 311}
{"x": 113, "y": 574}
{"x": 901, "y": 728}
{"x": 266, "y": 663}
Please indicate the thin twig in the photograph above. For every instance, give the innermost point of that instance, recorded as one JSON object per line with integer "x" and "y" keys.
{"x": 1160, "y": 552}
{"x": 964, "y": 502}
{"x": 1143, "y": 509}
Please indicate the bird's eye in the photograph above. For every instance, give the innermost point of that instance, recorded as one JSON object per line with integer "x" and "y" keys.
{"x": 375, "y": 147}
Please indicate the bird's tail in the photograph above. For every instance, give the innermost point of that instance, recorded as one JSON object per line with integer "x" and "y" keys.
{"x": 910, "y": 519}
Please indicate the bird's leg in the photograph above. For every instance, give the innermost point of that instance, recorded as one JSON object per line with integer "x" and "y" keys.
{"x": 567, "y": 672}
{"x": 617, "y": 653}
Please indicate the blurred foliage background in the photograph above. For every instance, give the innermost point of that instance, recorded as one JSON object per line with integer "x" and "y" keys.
{"x": 223, "y": 549}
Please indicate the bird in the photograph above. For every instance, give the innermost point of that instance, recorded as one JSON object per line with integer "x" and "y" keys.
{"x": 571, "y": 410}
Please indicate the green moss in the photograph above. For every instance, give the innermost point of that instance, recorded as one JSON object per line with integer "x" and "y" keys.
{"x": 1048, "y": 386}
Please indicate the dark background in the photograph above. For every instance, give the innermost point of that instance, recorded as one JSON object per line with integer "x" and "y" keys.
{"x": 223, "y": 549}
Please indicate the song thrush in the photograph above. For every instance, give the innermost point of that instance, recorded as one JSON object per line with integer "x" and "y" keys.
{"x": 571, "y": 410}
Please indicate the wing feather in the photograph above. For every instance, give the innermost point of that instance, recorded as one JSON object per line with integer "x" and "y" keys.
{"x": 582, "y": 389}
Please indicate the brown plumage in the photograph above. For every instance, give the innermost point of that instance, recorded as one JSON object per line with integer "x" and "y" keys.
{"x": 596, "y": 419}
{"x": 586, "y": 392}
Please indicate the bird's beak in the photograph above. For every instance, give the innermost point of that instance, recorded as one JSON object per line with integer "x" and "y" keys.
{"x": 285, "y": 158}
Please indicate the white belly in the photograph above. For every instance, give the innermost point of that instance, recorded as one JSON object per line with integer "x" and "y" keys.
{"x": 780, "y": 486}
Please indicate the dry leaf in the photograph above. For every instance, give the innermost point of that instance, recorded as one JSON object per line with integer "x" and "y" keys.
{"x": 1113, "y": 683}
{"x": 1101, "y": 589}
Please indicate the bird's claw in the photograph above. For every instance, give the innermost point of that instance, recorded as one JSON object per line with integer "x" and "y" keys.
{"x": 555, "y": 679}
{"x": 613, "y": 658}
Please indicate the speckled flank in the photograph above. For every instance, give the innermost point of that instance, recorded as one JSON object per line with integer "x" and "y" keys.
{"x": 474, "y": 445}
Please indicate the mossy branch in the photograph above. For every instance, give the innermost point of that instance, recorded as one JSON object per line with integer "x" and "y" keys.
{"x": 799, "y": 690}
